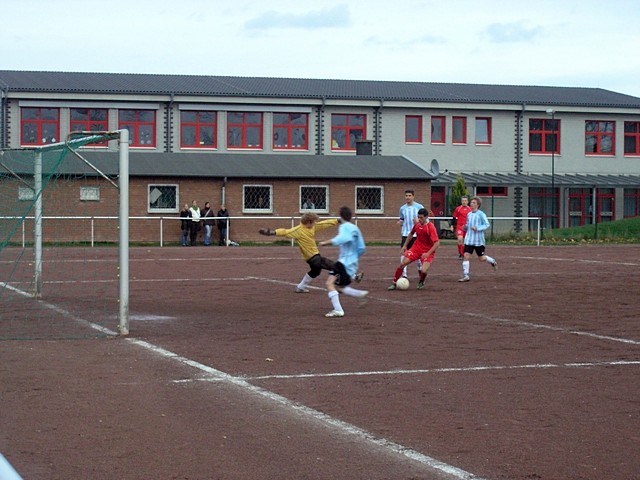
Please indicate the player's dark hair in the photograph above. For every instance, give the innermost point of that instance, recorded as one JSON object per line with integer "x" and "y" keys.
{"x": 410, "y": 191}
{"x": 423, "y": 211}
{"x": 345, "y": 213}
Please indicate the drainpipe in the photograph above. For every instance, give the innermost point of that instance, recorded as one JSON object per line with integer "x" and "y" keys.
{"x": 169, "y": 124}
{"x": 4, "y": 107}
{"x": 223, "y": 194}
{"x": 377, "y": 133}
{"x": 320, "y": 127}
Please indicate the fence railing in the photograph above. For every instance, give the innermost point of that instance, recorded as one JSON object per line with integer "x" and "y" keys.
{"x": 381, "y": 232}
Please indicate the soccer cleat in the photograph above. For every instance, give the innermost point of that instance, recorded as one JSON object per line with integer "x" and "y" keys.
{"x": 495, "y": 266}
{"x": 362, "y": 300}
{"x": 464, "y": 279}
{"x": 392, "y": 287}
{"x": 461, "y": 257}
{"x": 302, "y": 290}
{"x": 358, "y": 277}
{"x": 334, "y": 314}
{"x": 420, "y": 285}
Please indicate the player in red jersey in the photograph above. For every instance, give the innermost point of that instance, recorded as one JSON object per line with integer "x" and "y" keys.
{"x": 424, "y": 248}
{"x": 459, "y": 221}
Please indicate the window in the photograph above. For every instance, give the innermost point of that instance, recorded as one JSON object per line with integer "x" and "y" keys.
{"x": 26, "y": 194}
{"x": 369, "y": 199}
{"x": 413, "y": 129}
{"x": 437, "y": 129}
{"x": 257, "y": 199}
{"x": 346, "y": 130}
{"x": 244, "y": 130}
{"x": 543, "y": 135}
{"x": 543, "y": 203}
{"x": 163, "y": 199}
{"x": 141, "y": 125}
{"x": 483, "y": 131}
{"x": 599, "y": 137}
{"x": 198, "y": 129}
{"x": 89, "y": 120}
{"x": 632, "y": 138}
{"x": 459, "y": 130}
{"x": 491, "y": 191}
{"x": 39, "y": 126}
{"x": 631, "y": 202}
{"x": 314, "y": 198}
{"x": 90, "y": 194}
{"x": 290, "y": 131}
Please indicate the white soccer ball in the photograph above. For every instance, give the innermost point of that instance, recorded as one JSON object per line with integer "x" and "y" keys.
{"x": 402, "y": 283}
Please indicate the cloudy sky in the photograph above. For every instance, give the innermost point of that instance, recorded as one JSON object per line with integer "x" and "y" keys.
{"x": 583, "y": 43}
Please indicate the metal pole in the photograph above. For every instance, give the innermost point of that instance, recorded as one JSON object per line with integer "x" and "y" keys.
{"x": 37, "y": 191}
{"x": 123, "y": 245}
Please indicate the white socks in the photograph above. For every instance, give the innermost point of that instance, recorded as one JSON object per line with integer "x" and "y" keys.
{"x": 465, "y": 268}
{"x": 304, "y": 283}
{"x": 334, "y": 296}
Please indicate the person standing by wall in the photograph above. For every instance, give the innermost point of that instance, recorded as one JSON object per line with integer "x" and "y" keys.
{"x": 477, "y": 223}
{"x": 195, "y": 222}
{"x": 207, "y": 217}
{"x": 458, "y": 222}
{"x": 185, "y": 225}
{"x": 408, "y": 217}
{"x": 223, "y": 224}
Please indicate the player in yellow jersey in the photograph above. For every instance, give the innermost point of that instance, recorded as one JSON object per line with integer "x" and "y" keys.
{"x": 305, "y": 236}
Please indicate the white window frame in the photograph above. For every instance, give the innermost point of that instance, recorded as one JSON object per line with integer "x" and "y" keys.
{"x": 367, "y": 210}
{"x": 150, "y": 209}
{"x": 257, "y": 210}
{"x": 90, "y": 194}
{"x": 315, "y": 210}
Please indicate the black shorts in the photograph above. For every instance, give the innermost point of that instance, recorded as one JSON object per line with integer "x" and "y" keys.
{"x": 404, "y": 239}
{"x": 317, "y": 264}
{"x": 479, "y": 249}
{"x": 340, "y": 272}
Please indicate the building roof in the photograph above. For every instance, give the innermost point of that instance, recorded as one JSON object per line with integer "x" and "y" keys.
{"x": 255, "y": 166}
{"x": 575, "y": 180}
{"x": 304, "y": 88}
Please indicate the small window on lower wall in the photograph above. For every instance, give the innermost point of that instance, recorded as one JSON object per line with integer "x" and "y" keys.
{"x": 491, "y": 191}
{"x": 90, "y": 194}
{"x": 314, "y": 198}
{"x": 26, "y": 194}
{"x": 257, "y": 199}
{"x": 162, "y": 199}
{"x": 369, "y": 199}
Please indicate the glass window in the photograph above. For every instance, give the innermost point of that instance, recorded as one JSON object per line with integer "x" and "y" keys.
{"x": 314, "y": 198}
{"x": 459, "y": 130}
{"x": 141, "y": 125}
{"x": 632, "y": 138}
{"x": 491, "y": 191}
{"x": 39, "y": 126}
{"x": 483, "y": 130}
{"x": 544, "y": 135}
{"x": 90, "y": 194}
{"x": 244, "y": 130}
{"x": 599, "y": 137}
{"x": 89, "y": 120}
{"x": 413, "y": 129}
{"x": 162, "y": 199}
{"x": 437, "y": 129}
{"x": 631, "y": 202}
{"x": 198, "y": 129}
{"x": 290, "y": 131}
{"x": 346, "y": 130}
{"x": 369, "y": 199}
{"x": 257, "y": 199}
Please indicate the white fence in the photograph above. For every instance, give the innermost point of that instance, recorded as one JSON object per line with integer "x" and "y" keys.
{"x": 247, "y": 227}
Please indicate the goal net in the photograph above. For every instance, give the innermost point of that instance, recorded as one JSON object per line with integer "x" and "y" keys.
{"x": 64, "y": 240}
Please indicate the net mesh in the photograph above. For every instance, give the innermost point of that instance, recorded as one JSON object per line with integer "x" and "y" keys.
{"x": 69, "y": 288}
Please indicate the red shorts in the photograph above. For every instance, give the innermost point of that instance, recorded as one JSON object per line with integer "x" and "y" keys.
{"x": 460, "y": 232}
{"x": 414, "y": 254}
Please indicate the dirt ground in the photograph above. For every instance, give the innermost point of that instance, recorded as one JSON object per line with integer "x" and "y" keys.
{"x": 531, "y": 372}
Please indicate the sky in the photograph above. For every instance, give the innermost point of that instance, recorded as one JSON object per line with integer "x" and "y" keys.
{"x": 570, "y": 43}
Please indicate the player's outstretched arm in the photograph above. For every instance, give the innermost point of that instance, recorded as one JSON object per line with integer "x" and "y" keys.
{"x": 267, "y": 231}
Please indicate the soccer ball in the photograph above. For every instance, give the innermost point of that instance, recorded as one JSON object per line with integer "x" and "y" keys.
{"x": 402, "y": 283}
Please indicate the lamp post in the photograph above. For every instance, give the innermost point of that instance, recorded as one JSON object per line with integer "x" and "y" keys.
{"x": 552, "y": 112}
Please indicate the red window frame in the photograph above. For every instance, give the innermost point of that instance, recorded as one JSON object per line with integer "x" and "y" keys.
{"x": 39, "y": 126}
{"x": 631, "y": 202}
{"x": 141, "y": 125}
{"x": 487, "y": 122}
{"x": 632, "y": 138}
{"x": 600, "y": 137}
{"x": 543, "y": 132}
{"x": 413, "y": 129}
{"x": 438, "y": 129}
{"x": 89, "y": 120}
{"x": 294, "y": 127}
{"x": 202, "y": 126}
{"x": 346, "y": 130}
{"x": 244, "y": 130}
{"x": 490, "y": 191}
{"x": 459, "y": 130}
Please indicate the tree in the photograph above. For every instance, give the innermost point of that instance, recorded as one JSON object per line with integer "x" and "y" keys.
{"x": 457, "y": 191}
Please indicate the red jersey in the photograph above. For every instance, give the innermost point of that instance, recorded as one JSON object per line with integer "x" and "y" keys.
{"x": 426, "y": 236}
{"x": 460, "y": 214}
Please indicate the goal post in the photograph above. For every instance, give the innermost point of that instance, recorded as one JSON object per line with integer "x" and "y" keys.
{"x": 37, "y": 178}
